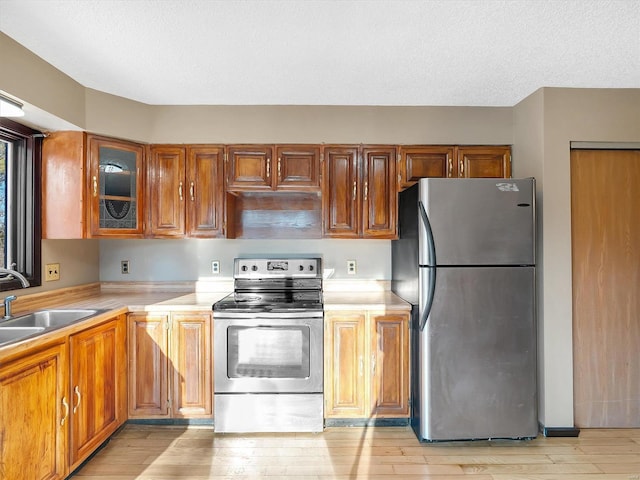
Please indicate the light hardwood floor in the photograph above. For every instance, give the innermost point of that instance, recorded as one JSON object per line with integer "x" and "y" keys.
{"x": 169, "y": 453}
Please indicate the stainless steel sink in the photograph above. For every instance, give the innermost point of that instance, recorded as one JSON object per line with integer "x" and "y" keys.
{"x": 49, "y": 318}
{"x": 12, "y": 334}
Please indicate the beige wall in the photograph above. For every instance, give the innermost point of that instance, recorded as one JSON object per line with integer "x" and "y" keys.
{"x": 545, "y": 124}
{"x": 41, "y": 86}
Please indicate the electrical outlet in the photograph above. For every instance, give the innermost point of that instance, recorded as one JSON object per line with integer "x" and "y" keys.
{"x": 124, "y": 267}
{"x": 215, "y": 267}
{"x": 51, "y": 272}
{"x": 351, "y": 267}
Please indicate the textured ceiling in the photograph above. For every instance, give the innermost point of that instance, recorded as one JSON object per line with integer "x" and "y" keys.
{"x": 332, "y": 52}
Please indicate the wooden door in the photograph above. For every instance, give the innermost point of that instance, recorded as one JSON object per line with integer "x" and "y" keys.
{"x": 298, "y": 167}
{"x": 484, "y": 162}
{"x": 605, "y": 232}
{"x": 148, "y": 365}
{"x": 205, "y": 192}
{"x": 345, "y": 381}
{"x": 95, "y": 388}
{"x": 340, "y": 193}
{"x": 424, "y": 162}
{"x": 379, "y": 192}
{"x": 191, "y": 364}
{"x": 167, "y": 191}
{"x": 34, "y": 416}
{"x": 390, "y": 364}
{"x": 115, "y": 188}
{"x": 249, "y": 168}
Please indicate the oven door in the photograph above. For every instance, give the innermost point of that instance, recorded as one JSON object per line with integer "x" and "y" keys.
{"x": 268, "y": 353}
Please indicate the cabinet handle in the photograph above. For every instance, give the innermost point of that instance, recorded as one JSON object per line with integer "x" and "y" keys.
{"x": 373, "y": 364}
{"x": 354, "y": 191}
{"x": 450, "y": 166}
{"x": 76, "y": 392}
{"x": 95, "y": 186}
{"x": 180, "y": 190}
{"x": 361, "y": 366}
{"x": 192, "y": 191}
{"x": 268, "y": 167}
{"x": 66, "y": 410}
{"x": 279, "y": 171}
{"x": 366, "y": 190}
{"x": 461, "y": 163}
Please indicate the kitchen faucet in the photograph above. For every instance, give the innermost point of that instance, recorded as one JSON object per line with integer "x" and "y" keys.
{"x": 18, "y": 275}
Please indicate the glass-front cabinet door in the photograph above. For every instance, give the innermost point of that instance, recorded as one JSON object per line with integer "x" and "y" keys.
{"x": 115, "y": 188}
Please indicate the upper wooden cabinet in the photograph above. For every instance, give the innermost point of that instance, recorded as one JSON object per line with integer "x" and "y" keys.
{"x": 91, "y": 186}
{"x": 444, "y": 161}
{"x": 424, "y": 161}
{"x": 115, "y": 186}
{"x": 273, "y": 167}
{"x": 359, "y": 192}
{"x": 186, "y": 191}
{"x": 484, "y": 162}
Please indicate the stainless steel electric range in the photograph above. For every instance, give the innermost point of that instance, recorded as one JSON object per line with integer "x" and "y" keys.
{"x": 268, "y": 347}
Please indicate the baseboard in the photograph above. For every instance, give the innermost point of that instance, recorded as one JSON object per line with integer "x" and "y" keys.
{"x": 559, "y": 431}
{"x": 366, "y": 422}
{"x": 171, "y": 421}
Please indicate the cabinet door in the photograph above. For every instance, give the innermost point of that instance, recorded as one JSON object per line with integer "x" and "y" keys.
{"x": 115, "y": 187}
{"x": 390, "y": 364}
{"x": 298, "y": 167}
{"x": 484, "y": 162}
{"x": 167, "y": 190}
{"x": 340, "y": 193}
{"x": 423, "y": 162}
{"x": 34, "y": 416}
{"x": 96, "y": 355}
{"x": 379, "y": 192}
{"x": 249, "y": 168}
{"x": 344, "y": 369}
{"x": 63, "y": 181}
{"x": 205, "y": 194}
{"x": 191, "y": 365}
{"x": 148, "y": 365}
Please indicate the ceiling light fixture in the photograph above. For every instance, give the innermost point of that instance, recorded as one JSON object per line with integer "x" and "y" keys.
{"x": 10, "y": 107}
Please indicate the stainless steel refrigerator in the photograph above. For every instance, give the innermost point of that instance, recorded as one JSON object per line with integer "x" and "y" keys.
{"x": 465, "y": 260}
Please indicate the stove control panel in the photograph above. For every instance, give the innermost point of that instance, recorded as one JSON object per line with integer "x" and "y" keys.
{"x": 277, "y": 267}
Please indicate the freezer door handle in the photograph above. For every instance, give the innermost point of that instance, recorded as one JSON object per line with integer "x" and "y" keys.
{"x": 428, "y": 282}
{"x": 430, "y": 248}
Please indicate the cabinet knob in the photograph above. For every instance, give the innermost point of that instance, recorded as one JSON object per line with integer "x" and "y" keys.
{"x": 192, "y": 192}
{"x": 95, "y": 186}
{"x": 268, "y": 167}
{"x": 354, "y": 191}
{"x": 180, "y": 190}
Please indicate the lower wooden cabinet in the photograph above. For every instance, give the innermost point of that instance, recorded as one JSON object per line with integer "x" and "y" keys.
{"x": 170, "y": 365}
{"x": 34, "y": 415}
{"x": 61, "y": 402}
{"x": 366, "y": 364}
{"x": 98, "y": 386}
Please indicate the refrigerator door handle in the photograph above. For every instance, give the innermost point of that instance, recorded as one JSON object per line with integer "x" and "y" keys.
{"x": 430, "y": 284}
{"x": 430, "y": 248}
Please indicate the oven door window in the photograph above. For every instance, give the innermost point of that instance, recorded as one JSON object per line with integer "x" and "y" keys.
{"x": 268, "y": 352}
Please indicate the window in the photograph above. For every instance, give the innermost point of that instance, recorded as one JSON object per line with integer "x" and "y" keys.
{"x": 20, "y": 231}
